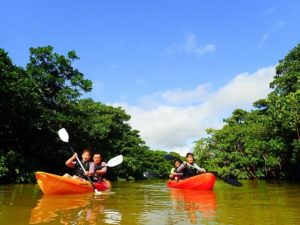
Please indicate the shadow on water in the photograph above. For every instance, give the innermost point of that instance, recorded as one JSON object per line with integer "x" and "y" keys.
{"x": 199, "y": 205}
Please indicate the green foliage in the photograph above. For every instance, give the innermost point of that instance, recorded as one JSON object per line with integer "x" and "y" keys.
{"x": 14, "y": 168}
{"x": 287, "y": 78}
{"x": 46, "y": 95}
{"x": 265, "y": 141}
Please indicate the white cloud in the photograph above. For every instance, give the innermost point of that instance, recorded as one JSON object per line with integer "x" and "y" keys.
{"x": 276, "y": 27}
{"x": 168, "y": 125}
{"x": 244, "y": 89}
{"x": 264, "y": 39}
{"x": 191, "y": 46}
{"x": 185, "y": 96}
{"x": 178, "y": 97}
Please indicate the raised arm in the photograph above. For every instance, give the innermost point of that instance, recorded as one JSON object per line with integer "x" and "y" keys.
{"x": 70, "y": 162}
{"x": 198, "y": 168}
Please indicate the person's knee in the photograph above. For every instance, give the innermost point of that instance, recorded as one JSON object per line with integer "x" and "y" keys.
{"x": 76, "y": 177}
{"x": 67, "y": 175}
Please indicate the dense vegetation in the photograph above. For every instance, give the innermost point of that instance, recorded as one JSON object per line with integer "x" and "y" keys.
{"x": 38, "y": 100}
{"x": 46, "y": 95}
{"x": 265, "y": 142}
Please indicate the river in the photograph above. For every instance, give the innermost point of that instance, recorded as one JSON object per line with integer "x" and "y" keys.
{"x": 151, "y": 202}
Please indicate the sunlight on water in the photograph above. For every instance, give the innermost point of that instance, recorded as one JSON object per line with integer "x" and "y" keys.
{"x": 151, "y": 202}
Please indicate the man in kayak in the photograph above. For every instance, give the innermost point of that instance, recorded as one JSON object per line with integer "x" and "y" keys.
{"x": 189, "y": 168}
{"x": 78, "y": 171}
{"x": 174, "y": 174}
{"x": 100, "y": 169}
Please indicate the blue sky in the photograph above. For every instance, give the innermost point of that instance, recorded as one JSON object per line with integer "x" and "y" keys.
{"x": 177, "y": 67}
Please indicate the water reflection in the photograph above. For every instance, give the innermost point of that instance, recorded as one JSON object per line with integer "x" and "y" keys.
{"x": 199, "y": 205}
{"x": 74, "y": 209}
{"x": 150, "y": 202}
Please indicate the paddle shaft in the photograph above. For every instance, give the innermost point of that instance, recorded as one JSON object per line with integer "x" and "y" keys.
{"x": 227, "y": 180}
{"x": 230, "y": 181}
{"x": 78, "y": 160}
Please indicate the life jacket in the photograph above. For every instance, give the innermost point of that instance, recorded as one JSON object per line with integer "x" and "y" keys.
{"x": 179, "y": 175}
{"x": 98, "y": 177}
{"x": 78, "y": 170}
{"x": 189, "y": 171}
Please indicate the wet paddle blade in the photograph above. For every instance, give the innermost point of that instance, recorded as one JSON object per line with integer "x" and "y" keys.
{"x": 115, "y": 161}
{"x": 229, "y": 180}
{"x": 63, "y": 135}
{"x": 232, "y": 181}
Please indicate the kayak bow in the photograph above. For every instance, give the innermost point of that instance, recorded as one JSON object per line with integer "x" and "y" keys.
{"x": 52, "y": 184}
{"x": 205, "y": 181}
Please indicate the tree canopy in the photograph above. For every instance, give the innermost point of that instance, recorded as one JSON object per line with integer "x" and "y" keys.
{"x": 36, "y": 101}
{"x": 264, "y": 142}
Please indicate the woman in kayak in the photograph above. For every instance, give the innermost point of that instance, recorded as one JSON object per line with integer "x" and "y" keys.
{"x": 174, "y": 174}
{"x": 189, "y": 168}
{"x": 100, "y": 169}
{"x": 88, "y": 166}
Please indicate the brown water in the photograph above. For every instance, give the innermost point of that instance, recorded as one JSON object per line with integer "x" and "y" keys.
{"x": 150, "y": 202}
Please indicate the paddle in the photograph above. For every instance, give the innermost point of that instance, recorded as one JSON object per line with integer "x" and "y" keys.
{"x": 229, "y": 180}
{"x": 64, "y": 136}
{"x": 115, "y": 161}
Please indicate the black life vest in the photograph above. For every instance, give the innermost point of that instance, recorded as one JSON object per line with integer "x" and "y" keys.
{"x": 78, "y": 170}
{"x": 189, "y": 171}
{"x": 97, "y": 177}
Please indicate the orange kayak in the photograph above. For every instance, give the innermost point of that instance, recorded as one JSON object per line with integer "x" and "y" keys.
{"x": 52, "y": 184}
{"x": 205, "y": 181}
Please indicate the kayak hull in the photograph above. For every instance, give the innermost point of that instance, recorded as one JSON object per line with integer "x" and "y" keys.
{"x": 52, "y": 184}
{"x": 205, "y": 181}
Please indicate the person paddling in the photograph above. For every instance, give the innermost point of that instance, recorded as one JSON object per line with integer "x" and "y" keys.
{"x": 174, "y": 174}
{"x": 78, "y": 172}
{"x": 100, "y": 169}
{"x": 189, "y": 168}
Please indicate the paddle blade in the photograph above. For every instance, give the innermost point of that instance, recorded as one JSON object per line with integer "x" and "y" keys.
{"x": 232, "y": 181}
{"x": 115, "y": 161}
{"x": 229, "y": 180}
{"x": 63, "y": 135}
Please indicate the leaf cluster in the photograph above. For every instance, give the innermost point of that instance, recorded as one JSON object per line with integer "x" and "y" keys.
{"x": 262, "y": 143}
{"x": 46, "y": 95}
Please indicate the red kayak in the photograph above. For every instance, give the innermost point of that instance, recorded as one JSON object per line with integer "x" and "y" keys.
{"x": 205, "y": 181}
{"x": 52, "y": 184}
